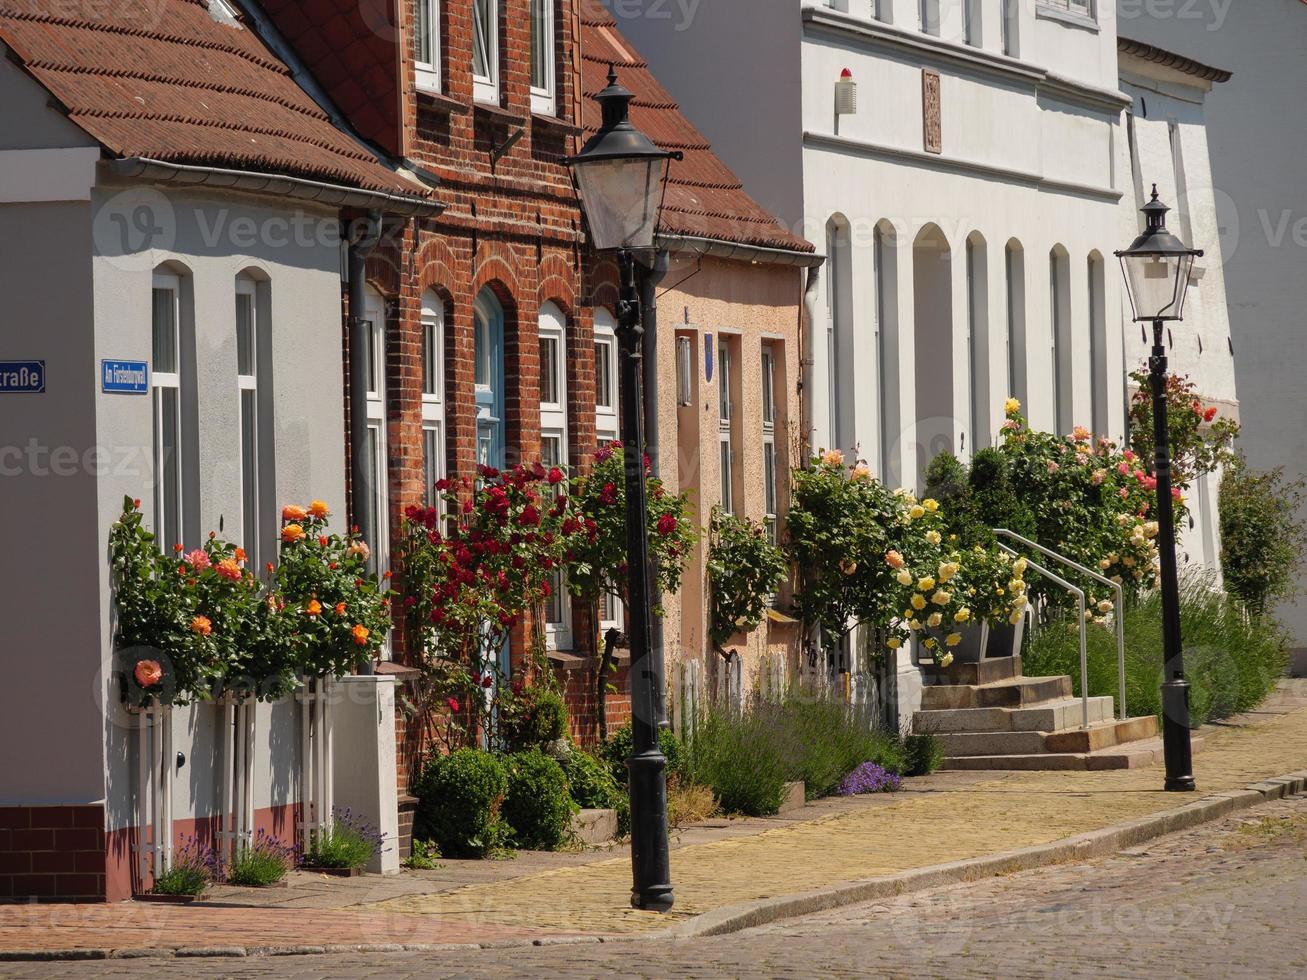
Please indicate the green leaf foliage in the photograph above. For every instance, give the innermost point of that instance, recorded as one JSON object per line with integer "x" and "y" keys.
{"x": 537, "y": 806}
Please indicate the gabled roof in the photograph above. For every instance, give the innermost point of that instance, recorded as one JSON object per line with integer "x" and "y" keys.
{"x": 704, "y": 198}
{"x": 165, "y": 80}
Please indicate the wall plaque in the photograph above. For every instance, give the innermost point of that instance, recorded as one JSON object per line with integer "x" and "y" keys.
{"x": 930, "y": 111}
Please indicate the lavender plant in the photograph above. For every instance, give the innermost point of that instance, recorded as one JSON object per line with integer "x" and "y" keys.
{"x": 868, "y": 778}
{"x": 193, "y": 867}
{"x": 350, "y": 842}
{"x": 264, "y": 862}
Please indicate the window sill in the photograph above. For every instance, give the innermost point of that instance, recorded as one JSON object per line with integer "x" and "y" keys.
{"x": 498, "y": 114}
{"x": 439, "y": 102}
{"x": 1067, "y": 17}
{"x": 554, "y": 122}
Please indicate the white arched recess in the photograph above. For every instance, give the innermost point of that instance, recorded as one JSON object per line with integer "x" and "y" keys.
{"x": 939, "y": 332}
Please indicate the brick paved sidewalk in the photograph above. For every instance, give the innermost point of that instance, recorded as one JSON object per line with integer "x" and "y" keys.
{"x": 947, "y": 818}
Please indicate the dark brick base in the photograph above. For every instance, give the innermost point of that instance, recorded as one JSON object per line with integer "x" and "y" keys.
{"x": 52, "y": 853}
{"x": 408, "y": 806}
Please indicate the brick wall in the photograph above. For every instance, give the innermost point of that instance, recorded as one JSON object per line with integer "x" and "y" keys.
{"x": 52, "y": 853}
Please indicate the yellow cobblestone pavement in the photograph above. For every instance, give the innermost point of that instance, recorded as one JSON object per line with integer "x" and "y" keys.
{"x": 1005, "y": 813}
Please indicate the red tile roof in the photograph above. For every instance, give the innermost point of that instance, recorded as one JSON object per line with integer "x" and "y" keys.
{"x": 704, "y": 198}
{"x": 350, "y": 47}
{"x": 163, "y": 79}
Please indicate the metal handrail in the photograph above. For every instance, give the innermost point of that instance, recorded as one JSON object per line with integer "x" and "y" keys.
{"x": 1079, "y": 593}
{"x": 1121, "y": 712}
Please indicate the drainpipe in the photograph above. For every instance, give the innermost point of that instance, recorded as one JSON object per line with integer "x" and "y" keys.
{"x": 807, "y": 425}
{"x": 650, "y": 278}
{"x": 362, "y": 244}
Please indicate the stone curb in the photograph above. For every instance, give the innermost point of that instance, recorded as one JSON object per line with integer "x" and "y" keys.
{"x": 1096, "y": 843}
{"x": 747, "y": 915}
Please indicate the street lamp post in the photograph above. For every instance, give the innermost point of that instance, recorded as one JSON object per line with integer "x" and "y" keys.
{"x": 1157, "y": 268}
{"x": 619, "y": 176}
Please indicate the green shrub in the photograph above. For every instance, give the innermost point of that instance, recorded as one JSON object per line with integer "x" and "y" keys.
{"x": 537, "y": 806}
{"x": 194, "y": 865}
{"x": 1232, "y": 661}
{"x": 744, "y": 570}
{"x": 590, "y": 782}
{"x": 425, "y": 856}
{"x": 1262, "y": 541}
{"x": 825, "y": 740}
{"x": 923, "y": 754}
{"x": 459, "y": 801}
{"x": 743, "y": 760}
{"x": 618, "y": 749}
{"x": 263, "y": 863}
{"x": 350, "y": 842}
{"x": 532, "y": 719}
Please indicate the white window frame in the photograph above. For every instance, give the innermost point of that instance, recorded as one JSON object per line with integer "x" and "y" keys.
{"x": 433, "y": 395}
{"x": 929, "y": 17}
{"x": 251, "y": 496}
{"x": 428, "y": 72}
{"x": 553, "y": 427}
{"x": 485, "y": 88}
{"x": 771, "y": 490}
{"x": 725, "y": 424}
{"x": 172, "y": 381}
{"x": 1086, "y": 9}
{"x": 607, "y": 417}
{"x": 375, "y": 311}
{"x": 544, "y": 100}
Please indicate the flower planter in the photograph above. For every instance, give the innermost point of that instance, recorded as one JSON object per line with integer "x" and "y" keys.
{"x": 973, "y": 647}
{"x": 1005, "y": 639}
{"x": 333, "y": 872}
{"x": 171, "y": 899}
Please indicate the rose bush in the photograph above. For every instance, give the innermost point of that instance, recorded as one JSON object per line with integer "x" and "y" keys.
{"x": 744, "y": 571}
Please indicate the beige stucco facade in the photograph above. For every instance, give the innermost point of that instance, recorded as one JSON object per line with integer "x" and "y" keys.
{"x": 744, "y": 308}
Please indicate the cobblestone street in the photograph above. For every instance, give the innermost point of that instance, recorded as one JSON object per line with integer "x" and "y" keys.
{"x": 1222, "y": 900}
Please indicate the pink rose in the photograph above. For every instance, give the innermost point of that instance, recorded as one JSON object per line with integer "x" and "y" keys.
{"x": 148, "y": 673}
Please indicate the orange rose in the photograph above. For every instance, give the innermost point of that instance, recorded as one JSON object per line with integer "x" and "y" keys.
{"x": 240, "y": 555}
{"x": 340, "y": 609}
{"x": 313, "y": 608}
{"x": 202, "y": 625}
{"x": 291, "y": 533}
{"x": 148, "y": 673}
{"x": 319, "y": 509}
{"x": 229, "y": 569}
{"x": 361, "y": 634}
{"x": 293, "y": 512}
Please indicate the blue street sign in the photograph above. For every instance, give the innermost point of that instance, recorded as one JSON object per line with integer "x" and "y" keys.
{"x": 125, "y": 377}
{"x": 708, "y": 350}
{"x": 22, "y": 377}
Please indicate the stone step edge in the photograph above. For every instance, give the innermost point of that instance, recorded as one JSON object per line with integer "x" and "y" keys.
{"x": 1126, "y": 755}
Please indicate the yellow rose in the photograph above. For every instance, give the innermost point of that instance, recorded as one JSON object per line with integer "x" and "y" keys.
{"x": 894, "y": 643}
{"x": 893, "y": 559}
{"x": 946, "y": 660}
{"x": 918, "y": 602}
{"x": 962, "y": 615}
{"x": 914, "y": 624}
{"x": 833, "y": 457}
{"x": 930, "y": 504}
{"x": 933, "y": 537}
{"x": 904, "y": 577}
{"x": 953, "y": 639}
{"x": 926, "y": 584}
{"x": 1011, "y": 406}
{"x": 917, "y": 512}
{"x": 1016, "y": 617}
{"x": 942, "y": 598}
{"x": 1105, "y": 606}
{"x": 860, "y": 472}
{"x": 1019, "y": 568}
{"x": 930, "y": 645}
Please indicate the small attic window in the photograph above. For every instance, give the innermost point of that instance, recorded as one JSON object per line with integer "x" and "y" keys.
{"x": 224, "y": 12}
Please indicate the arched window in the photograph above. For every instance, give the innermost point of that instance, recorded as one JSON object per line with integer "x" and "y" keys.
{"x": 170, "y": 458}
{"x": 885, "y": 259}
{"x": 488, "y": 358}
{"x": 253, "y": 382}
{"x": 377, "y": 496}
{"x": 1015, "y": 266}
{"x": 1060, "y": 353}
{"x": 433, "y": 394}
{"x": 840, "y": 328}
{"x": 1098, "y": 344}
{"x": 553, "y": 448}
{"x": 979, "y": 397}
{"x": 606, "y": 397}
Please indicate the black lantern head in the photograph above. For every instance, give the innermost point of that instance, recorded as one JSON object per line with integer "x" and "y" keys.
{"x": 1157, "y": 267}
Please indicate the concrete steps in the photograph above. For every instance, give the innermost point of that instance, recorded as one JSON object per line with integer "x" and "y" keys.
{"x": 1049, "y": 716}
{"x": 987, "y": 715}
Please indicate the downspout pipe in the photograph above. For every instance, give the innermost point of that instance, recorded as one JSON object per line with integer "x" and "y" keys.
{"x": 807, "y": 423}
{"x": 362, "y": 491}
{"x": 650, "y": 278}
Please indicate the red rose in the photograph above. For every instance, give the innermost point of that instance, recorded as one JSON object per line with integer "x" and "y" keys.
{"x": 1209, "y": 414}
{"x": 555, "y": 476}
{"x": 608, "y": 495}
{"x": 487, "y": 682}
{"x": 453, "y": 705}
{"x": 666, "y": 524}
{"x": 530, "y": 516}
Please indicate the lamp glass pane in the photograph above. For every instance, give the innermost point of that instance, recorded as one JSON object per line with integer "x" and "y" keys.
{"x": 621, "y": 199}
{"x": 1153, "y": 284}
